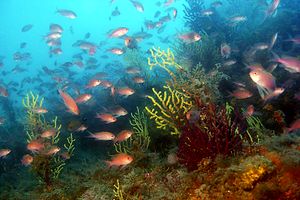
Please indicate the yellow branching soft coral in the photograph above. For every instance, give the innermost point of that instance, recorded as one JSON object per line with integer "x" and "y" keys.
{"x": 163, "y": 59}
{"x": 170, "y": 107}
{"x": 140, "y": 140}
{"x": 45, "y": 164}
{"x": 118, "y": 193}
{"x": 34, "y": 120}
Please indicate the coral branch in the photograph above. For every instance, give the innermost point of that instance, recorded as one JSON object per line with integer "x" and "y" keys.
{"x": 169, "y": 109}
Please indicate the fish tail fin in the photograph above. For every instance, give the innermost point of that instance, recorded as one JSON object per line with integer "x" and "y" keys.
{"x": 108, "y": 163}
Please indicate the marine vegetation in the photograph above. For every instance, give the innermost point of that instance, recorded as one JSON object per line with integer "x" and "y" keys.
{"x": 118, "y": 193}
{"x": 165, "y": 60}
{"x": 215, "y": 131}
{"x": 197, "y": 83}
{"x": 204, "y": 53}
{"x": 134, "y": 58}
{"x": 137, "y": 145}
{"x": 47, "y": 159}
{"x": 169, "y": 109}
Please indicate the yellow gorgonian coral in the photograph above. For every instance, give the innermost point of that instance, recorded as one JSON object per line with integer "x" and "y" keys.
{"x": 163, "y": 59}
{"x": 169, "y": 109}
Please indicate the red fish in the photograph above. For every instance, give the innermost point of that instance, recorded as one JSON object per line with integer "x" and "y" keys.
{"x": 119, "y": 32}
{"x": 93, "y": 83}
{"x": 190, "y": 37}
{"x": 104, "y": 135}
{"x": 125, "y": 91}
{"x": 275, "y": 93}
{"x": 4, "y": 152}
{"x": 264, "y": 80}
{"x": 123, "y": 135}
{"x": 27, "y": 160}
{"x": 40, "y": 110}
{"x": 290, "y": 64}
{"x": 242, "y": 93}
{"x": 35, "y": 146}
{"x": 138, "y": 79}
{"x": 48, "y": 133}
{"x": 121, "y": 159}
{"x": 69, "y": 102}
{"x": 83, "y": 98}
{"x": 106, "y": 117}
{"x": 116, "y": 51}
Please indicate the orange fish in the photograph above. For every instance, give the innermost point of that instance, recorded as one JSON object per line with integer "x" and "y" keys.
{"x": 123, "y": 135}
{"x": 125, "y": 91}
{"x": 106, "y": 117}
{"x": 35, "y": 146}
{"x": 241, "y": 93}
{"x": 132, "y": 70}
{"x": 69, "y": 102}
{"x": 119, "y": 111}
{"x": 83, "y": 98}
{"x": 116, "y": 51}
{"x": 40, "y": 110}
{"x": 138, "y": 79}
{"x": 190, "y": 37}
{"x": 27, "y": 160}
{"x": 106, "y": 84}
{"x": 119, "y": 32}
{"x": 4, "y": 152}
{"x": 53, "y": 150}
{"x": 81, "y": 128}
{"x": 48, "y": 133}
{"x": 127, "y": 41}
{"x": 119, "y": 160}
{"x": 104, "y": 135}
{"x": 93, "y": 83}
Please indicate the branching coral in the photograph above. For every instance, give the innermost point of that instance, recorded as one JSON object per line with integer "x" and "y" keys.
{"x": 163, "y": 59}
{"x": 169, "y": 109}
{"x": 118, "y": 193}
{"x": 47, "y": 164}
{"x": 137, "y": 145}
{"x": 216, "y": 131}
{"x": 34, "y": 120}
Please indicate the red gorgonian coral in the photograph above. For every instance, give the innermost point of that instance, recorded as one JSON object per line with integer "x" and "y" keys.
{"x": 216, "y": 130}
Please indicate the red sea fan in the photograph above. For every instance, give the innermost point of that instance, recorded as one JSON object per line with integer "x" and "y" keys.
{"x": 215, "y": 132}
